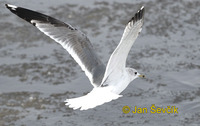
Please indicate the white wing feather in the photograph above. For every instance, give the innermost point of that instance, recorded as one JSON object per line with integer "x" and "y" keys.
{"x": 117, "y": 61}
{"x": 71, "y": 39}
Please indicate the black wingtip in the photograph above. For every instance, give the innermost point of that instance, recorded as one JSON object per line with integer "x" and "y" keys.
{"x": 21, "y": 12}
{"x": 141, "y": 12}
{"x": 6, "y": 5}
{"x": 30, "y": 15}
{"x": 139, "y": 15}
{"x": 11, "y": 7}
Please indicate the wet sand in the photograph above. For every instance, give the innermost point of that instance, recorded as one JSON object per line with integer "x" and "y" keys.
{"x": 37, "y": 74}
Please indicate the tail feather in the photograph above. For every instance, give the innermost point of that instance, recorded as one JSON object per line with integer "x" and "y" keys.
{"x": 96, "y": 97}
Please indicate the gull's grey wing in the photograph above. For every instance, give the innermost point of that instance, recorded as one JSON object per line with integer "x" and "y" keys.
{"x": 118, "y": 58}
{"x": 71, "y": 39}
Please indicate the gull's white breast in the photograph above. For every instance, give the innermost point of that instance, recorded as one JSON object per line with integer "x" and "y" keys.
{"x": 118, "y": 83}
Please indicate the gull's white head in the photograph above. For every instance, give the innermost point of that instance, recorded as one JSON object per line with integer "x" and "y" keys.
{"x": 134, "y": 74}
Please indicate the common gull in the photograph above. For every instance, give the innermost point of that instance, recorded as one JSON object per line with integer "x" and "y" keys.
{"x": 108, "y": 81}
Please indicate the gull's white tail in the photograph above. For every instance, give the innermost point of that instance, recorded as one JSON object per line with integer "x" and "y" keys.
{"x": 96, "y": 97}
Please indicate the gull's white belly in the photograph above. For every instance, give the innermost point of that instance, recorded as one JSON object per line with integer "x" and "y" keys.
{"x": 117, "y": 85}
{"x": 120, "y": 86}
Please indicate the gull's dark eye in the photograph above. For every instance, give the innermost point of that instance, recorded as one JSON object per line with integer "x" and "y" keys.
{"x": 135, "y": 73}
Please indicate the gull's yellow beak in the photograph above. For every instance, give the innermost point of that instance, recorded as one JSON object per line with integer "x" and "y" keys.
{"x": 142, "y": 76}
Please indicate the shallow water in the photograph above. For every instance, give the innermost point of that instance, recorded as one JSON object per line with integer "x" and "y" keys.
{"x": 37, "y": 75}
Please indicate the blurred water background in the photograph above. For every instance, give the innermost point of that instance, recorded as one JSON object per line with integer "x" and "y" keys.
{"x": 37, "y": 74}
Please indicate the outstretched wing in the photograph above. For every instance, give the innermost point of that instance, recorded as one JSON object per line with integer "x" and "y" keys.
{"x": 118, "y": 58}
{"x": 71, "y": 39}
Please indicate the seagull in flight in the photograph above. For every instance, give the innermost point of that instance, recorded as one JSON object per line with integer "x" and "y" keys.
{"x": 108, "y": 81}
